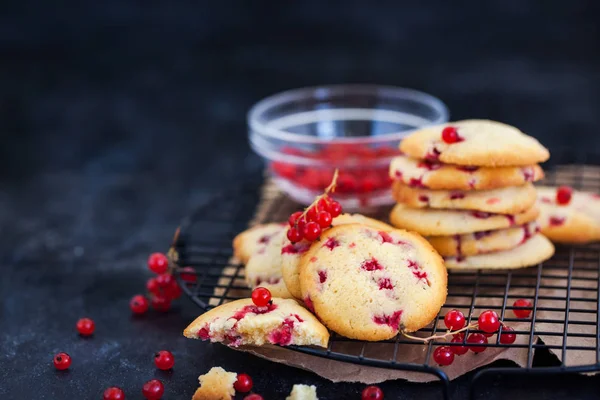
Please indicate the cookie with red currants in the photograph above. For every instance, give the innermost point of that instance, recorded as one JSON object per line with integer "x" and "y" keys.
{"x": 252, "y": 322}
{"x": 534, "y": 251}
{"x": 309, "y": 224}
{"x": 474, "y": 143}
{"x": 508, "y": 200}
{"x": 569, "y": 216}
{"x": 437, "y": 222}
{"x": 436, "y": 175}
{"x": 371, "y": 283}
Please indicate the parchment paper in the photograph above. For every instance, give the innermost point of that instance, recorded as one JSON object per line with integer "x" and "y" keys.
{"x": 274, "y": 206}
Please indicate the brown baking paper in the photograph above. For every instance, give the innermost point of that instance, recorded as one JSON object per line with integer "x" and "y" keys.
{"x": 274, "y": 206}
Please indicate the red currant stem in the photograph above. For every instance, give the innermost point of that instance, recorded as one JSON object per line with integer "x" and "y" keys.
{"x": 172, "y": 257}
{"x": 445, "y": 335}
{"x": 328, "y": 189}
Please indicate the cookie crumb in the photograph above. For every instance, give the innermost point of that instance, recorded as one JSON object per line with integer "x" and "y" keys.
{"x": 303, "y": 392}
{"x": 216, "y": 384}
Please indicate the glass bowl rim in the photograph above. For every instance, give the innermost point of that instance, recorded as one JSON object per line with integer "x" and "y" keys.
{"x": 254, "y": 115}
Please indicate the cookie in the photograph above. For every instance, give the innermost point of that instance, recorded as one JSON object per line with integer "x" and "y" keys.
{"x": 508, "y": 200}
{"x": 576, "y": 222}
{"x": 434, "y": 222}
{"x": 216, "y": 384}
{"x": 367, "y": 284}
{"x": 240, "y": 322}
{"x": 470, "y": 244}
{"x": 532, "y": 252}
{"x": 292, "y": 253}
{"x": 264, "y": 266}
{"x": 479, "y": 142}
{"x": 303, "y": 392}
{"x": 254, "y": 239}
{"x": 434, "y": 175}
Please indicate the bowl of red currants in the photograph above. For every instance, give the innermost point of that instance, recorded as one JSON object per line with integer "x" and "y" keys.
{"x": 305, "y": 134}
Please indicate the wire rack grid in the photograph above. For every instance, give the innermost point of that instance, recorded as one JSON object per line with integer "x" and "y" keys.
{"x": 564, "y": 291}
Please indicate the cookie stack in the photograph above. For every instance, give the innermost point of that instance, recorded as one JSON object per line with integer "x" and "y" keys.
{"x": 467, "y": 187}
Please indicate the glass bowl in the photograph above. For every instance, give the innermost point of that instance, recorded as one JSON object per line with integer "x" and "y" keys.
{"x": 305, "y": 134}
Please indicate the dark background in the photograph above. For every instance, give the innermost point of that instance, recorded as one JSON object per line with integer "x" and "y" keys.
{"x": 118, "y": 118}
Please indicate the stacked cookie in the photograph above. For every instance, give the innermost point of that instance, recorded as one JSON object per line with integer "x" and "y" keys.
{"x": 467, "y": 186}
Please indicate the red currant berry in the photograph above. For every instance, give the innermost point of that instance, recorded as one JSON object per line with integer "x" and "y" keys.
{"x": 522, "y": 303}
{"x": 138, "y": 304}
{"x": 85, "y": 327}
{"x": 160, "y": 303}
{"x": 454, "y": 320}
{"x": 324, "y": 203}
{"x": 335, "y": 208}
{"x": 261, "y": 297}
{"x": 243, "y": 383}
{"x": 164, "y": 360}
{"x": 153, "y": 389}
{"x": 475, "y": 339}
{"x": 312, "y": 231}
{"x": 372, "y": 393}
{"x": 563, "y": 195}
{"x": 294, "y": 218}
{"x": 311, "y": 214}
{"x": 294, "y": 235}
{"x": 62, "y": 361}
{"x": 488, "y": 321}
{"x": 164, "y": 280}
{"x": 458, "y": 350}
{"x": 173, "y": 291}
{"x": 188, "y": 274}
{"x": 450, "y": 135}
{"x": 324, "y": 219}
{"x": 443, "y": 355}
{"x": 152, "y": 286}
{"x": 254, "y": 396}
{"x": 113, "y": 393}
{"x": 507, "y": 336}
{"x": 300, "y": 224}
{"x": 158, "y": 263}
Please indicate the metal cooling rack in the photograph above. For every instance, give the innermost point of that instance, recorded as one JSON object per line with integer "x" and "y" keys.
{"x": 564, "y": 290}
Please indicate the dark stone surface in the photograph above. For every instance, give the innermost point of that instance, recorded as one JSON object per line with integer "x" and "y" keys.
{"x": 119, "y": 118}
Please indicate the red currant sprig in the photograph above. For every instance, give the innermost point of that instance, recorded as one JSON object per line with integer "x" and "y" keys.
{"x": 316, "y": 217}
{"x": 488, "y": 322}
{"x": 162, "y": 288}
